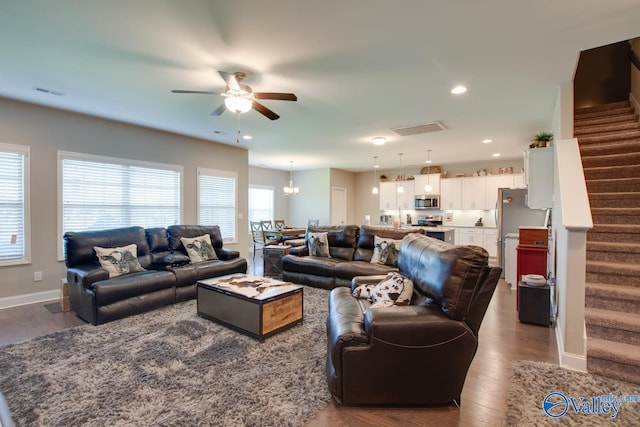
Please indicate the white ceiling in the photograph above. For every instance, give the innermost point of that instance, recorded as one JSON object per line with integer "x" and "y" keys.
{"x": 358, "y": 67}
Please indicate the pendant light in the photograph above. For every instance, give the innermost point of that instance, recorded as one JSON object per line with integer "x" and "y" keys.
{"x": 400, "y": 188}
{"x": 428, "y": 188}
{"x": 375, "y": 190}
{"x": 291, "y": 190}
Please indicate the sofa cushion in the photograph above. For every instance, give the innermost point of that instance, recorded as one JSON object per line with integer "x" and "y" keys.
{"x": 394, "y": 289}
{"x": 318, "y": 266}
{"x": 349, "y": 270}
{"x": 199, "y": 248}
{"x": 131, "y": 285}
{"x": 446, "y": 273}
{"x": 175, "y": 232}
{"x": 158, "y": 245}
{"x": 119, "y": 261}
{"x": 318, "y": 245}
{"x": 366, "y": 238}
{"x": 342, "y": 239}
{"x": 385, "y": 251}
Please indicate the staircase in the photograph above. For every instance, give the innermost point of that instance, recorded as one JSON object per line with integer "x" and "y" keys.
{"x": 609, "y": 140}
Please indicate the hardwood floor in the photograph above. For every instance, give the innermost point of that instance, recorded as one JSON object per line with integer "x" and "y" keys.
{"x": 503, "y": 339}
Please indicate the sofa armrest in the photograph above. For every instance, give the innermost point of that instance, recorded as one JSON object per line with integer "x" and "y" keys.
{"x": 366, "y": 280}
{"x": 344, "y": 323}
{"x": 175, "y": 260}
{"x": 86, "y": 275}
{"x": 225, "y": 254}
{"x": 299, "y": 250}
{"x": 416, "y": 327}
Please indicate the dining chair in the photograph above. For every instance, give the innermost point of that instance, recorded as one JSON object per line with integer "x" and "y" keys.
{"x": 313, "y": 222}
{"x": 267, "y": 224}
{"x": 279, "y": 224}
{"x": 259, "y": 240}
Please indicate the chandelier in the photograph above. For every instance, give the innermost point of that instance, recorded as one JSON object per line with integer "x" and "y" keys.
{"x": 291, "y": 190}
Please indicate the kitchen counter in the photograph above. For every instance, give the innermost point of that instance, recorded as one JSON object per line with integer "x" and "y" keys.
{"x": 484, "y": 227}
{"x": 424, "y": 227}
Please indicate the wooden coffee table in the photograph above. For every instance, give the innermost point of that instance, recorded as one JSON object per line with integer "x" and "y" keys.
{"x": 254, "y": 305}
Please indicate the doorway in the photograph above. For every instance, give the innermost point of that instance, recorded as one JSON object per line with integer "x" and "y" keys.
{"x": 338, "y": 206}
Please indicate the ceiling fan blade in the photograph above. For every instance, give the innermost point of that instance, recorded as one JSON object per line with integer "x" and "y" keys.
{"x": 265, "y": 111}
{"x": 275, "y": 95}
{"x": 218, "y": 111}
{"x": 230, "y": 80}
{"x": 195, "y": 91}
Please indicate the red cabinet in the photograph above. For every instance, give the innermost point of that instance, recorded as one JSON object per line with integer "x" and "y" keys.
{"x": 531, "y": 260}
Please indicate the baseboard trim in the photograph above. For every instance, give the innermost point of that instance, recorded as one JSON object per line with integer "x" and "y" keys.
{"x": 577, "y": 362}
{"x": 33, "y": 298}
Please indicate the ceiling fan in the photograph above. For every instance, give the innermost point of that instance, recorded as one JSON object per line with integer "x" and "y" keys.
{"x": 240, "y": 98}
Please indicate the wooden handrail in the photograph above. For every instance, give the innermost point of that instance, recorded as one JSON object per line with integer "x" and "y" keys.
{"x": 635, "y": 60}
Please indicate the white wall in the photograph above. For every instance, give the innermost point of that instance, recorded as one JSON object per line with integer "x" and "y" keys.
{"x": 48, "y": 130}
{"x": 314, "y": 200}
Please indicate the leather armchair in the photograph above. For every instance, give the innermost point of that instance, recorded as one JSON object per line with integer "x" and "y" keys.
{"x": 417, "y": 354}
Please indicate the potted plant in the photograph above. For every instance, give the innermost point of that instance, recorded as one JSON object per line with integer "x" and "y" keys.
{"x": 541, "y": 140}
{"x": 383, "y": 178}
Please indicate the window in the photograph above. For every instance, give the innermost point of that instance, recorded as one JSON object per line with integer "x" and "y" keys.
{"x": 260, "y": 203}
{"x": 99, "y": 193}
{"x": 14, "y": 205}
{"x": 217, "y": 201}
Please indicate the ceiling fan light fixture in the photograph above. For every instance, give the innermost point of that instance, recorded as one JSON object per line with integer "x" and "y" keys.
{"x": 378, "y": 140}
{"x": 238, "y": 104}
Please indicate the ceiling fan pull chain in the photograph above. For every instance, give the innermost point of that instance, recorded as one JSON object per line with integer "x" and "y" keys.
{"x": 238, "y": 126}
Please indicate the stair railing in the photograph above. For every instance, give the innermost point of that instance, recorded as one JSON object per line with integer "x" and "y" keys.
{"x": 635, "y": 60}
{"x": 572, "y": 217}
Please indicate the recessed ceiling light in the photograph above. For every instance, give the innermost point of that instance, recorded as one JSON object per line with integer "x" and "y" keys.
{"x": 247, "y": 137}
{"x": 496, "y": 154}
{"x": 378, "y": 140}
{"x": 487, "y": 141}
{"x": 460, "y": 89}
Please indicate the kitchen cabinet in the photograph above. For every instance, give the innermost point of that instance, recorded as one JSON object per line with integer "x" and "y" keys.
{"x": 539, "y": 177}
{"x": 490, "y": 242}
{"x": 388, "y": 196}
{"x": 518, "y": 181}
{"x": 470, "y": 236}
{"x": 421, "y": 181}
{"x": 451, "y": 193}
{"x": 474, "y": 193}
{"x": 390, "y": 199}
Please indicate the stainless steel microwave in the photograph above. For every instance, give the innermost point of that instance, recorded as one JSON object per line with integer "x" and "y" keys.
{"x": 427, "y": 202}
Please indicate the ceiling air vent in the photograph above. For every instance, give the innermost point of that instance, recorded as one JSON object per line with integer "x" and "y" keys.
{"x": 49, "y": 91}
{"x": 420, "y": 129}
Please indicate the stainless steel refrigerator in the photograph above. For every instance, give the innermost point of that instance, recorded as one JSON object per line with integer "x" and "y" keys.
{"x": 511, "y": 213}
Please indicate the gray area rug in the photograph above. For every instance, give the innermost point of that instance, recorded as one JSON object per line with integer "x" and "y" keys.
{"x": 531, "y": 382}
{"x": 169, "y": 367}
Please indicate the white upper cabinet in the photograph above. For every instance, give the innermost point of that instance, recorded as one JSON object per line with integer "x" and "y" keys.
{"x": 421, "y": 182}
{"x": 492, "y": 184}
{"x": 405, "y": 199}
{"x": 388, "y": 196}
{"x": 390, "y": 199}
{"x": 451, "y": 193}
{"x": 474, "y": 193}
{"x": 539, "y": 177}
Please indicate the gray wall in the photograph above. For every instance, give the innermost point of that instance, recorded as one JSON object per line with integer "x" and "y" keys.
{"x": 48, "y": 130}
{"x": 314, "y": 200}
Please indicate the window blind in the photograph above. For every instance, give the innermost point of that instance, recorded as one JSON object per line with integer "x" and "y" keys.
{"x": 13, "y": 204}
{"x": 100, "y": 194}
{"x": 260, "y": 203}
{"x": 217, "y": 201}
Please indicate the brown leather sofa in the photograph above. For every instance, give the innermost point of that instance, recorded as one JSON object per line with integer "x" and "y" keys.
{"x": 416, "y": 354}
{"x": 351, "y": 249}
{"x": 168, "y": 275}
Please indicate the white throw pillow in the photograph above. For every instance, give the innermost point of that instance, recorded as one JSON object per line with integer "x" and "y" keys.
{"x": 319, "y": 245}
{"x": 119, "y": 261}
{"x": 385, "y": 251}
{"x": 199, "y": 248}
{"x": 364, "y": 290}
{"x": 394, "y": 289}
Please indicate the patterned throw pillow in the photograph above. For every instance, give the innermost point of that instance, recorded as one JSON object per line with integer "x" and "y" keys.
{"x": 395, "y": 289}
{"x": 199, "y": 248}
{"x": 119, "y": 261}
{"x": 363, "y": 291}
{"x": 319, "y": 245}
{"x": 385, "y": 251}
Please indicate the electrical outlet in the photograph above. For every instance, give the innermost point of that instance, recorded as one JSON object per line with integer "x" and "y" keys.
{"x": 37, "y": 276}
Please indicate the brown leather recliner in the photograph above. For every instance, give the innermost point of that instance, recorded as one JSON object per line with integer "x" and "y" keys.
{"x": 416, "y": 354}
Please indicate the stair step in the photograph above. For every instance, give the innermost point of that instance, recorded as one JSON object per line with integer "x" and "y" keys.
{"x": 615, "y": 233}
{"x": 618, "y": 200}
{"x": 609, "y": 137}
{"x": 613, "y": 359}
{"x": 604, "y": 128}
{"x": 618, "y": 118}
{"x": 609, "y": 160}
{"x": 613, "y": 273}
{"x": 603, "y": 107}
{"x": 614, "y": 185}
{"x": 613, "y": 325}
{"x": 616, "y": 147}
{"x": 612, "y": 297}
{"x": 603, "y": 113}
{"x": 629, "y": 216}
{"x": 613, "y": 252}
{"x": 608, "y": 172}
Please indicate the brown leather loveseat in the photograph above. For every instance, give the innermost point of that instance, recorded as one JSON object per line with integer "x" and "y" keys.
{"x": 350, "y": 248}
{"x": 415, "y": 354}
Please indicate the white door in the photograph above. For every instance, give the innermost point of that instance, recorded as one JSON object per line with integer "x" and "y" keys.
{"x": 338, "y": 206}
